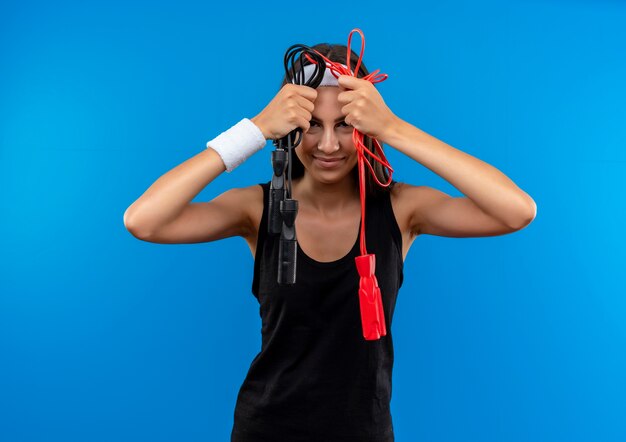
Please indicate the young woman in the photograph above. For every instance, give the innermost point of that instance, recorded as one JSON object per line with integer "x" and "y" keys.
{"x": 316, "y": 378}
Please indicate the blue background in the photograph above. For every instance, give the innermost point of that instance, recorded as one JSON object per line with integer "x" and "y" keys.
{"x": 104, "y": 337}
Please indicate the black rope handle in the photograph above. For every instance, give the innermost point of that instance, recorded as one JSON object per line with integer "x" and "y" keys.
{"x": 282, "y": 209}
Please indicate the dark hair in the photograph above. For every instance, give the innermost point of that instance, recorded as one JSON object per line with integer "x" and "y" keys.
{"x": 337, "y": 53}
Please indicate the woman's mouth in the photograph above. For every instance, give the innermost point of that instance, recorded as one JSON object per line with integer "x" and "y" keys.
{"x": 328, "y": 163}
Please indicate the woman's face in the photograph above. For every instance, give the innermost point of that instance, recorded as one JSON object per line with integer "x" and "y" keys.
{"x": 329, "y": 137}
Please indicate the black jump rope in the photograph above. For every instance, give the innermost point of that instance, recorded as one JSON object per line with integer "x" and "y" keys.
{"x": 283, "y": 209}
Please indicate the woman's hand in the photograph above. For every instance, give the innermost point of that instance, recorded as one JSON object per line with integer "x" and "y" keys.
{"x": 290, "y": 108}
{"x": 364, "y": 107}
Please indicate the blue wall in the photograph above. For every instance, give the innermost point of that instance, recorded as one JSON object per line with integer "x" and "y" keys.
{"x": 104, "y": 337}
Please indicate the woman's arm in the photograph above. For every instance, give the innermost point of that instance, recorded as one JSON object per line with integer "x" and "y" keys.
{"x": 488, "y": 189}
{"x": 493, "y": 205}
{"x": 165, "y": 199}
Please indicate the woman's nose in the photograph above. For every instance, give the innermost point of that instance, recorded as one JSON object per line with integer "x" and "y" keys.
{"x": 329, "y": 143}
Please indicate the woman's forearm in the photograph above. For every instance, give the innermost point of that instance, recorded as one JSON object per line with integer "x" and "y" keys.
{"x": 485, "y": 185}
{"x": 166, "y": 198}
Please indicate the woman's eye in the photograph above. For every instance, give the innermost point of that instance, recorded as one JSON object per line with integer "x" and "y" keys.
{"x": 313, "y": 123}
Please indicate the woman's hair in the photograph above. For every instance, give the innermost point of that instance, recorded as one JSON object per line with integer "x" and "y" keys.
{"x": 337, "y": 53}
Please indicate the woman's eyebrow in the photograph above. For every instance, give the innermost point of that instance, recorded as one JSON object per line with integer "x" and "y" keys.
{"x": 336, "y": 119}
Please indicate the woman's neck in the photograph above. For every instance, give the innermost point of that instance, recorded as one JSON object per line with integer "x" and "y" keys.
{"x": 326, "y": 199}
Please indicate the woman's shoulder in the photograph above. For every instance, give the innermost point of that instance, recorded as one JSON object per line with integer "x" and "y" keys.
{"x": 402, "y": 195}
{"x": 253, "y": 201}
{"x": 397, "y": 190}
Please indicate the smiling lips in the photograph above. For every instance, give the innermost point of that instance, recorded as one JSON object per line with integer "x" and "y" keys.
{"x": 328, "y": 160}
{"x": 328, "y": 163}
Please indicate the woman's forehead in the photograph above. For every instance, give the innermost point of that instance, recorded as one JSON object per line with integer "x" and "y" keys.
{"x": 327, "y": 106}
{"x": 327, "y": 95}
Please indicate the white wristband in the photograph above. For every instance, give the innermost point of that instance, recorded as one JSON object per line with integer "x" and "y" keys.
{"x": 238, "y": 143}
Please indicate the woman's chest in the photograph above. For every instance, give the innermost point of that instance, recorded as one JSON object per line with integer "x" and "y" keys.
{"x": 328, "y": 239}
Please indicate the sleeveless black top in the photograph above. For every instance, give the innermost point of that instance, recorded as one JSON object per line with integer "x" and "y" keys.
{"x": 316, "y": 378}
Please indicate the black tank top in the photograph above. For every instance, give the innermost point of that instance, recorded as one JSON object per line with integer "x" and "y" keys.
{"x": 316, "y": 378}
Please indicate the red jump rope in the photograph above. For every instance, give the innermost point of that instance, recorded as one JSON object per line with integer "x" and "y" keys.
{"x": 372, "y": 313}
